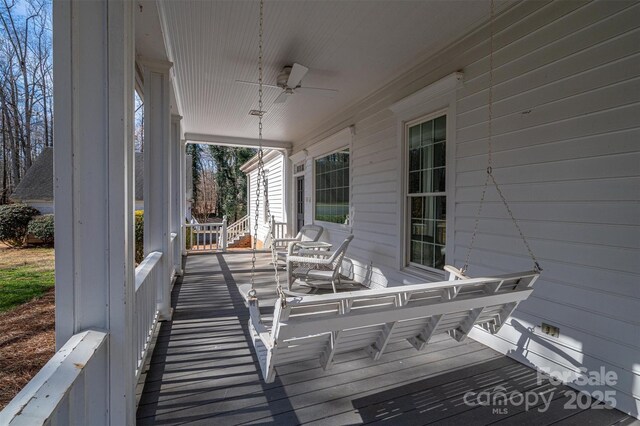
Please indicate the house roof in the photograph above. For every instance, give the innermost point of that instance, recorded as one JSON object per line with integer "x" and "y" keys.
{"x": 252, "y": 163}
{"x": 37, "y": 183}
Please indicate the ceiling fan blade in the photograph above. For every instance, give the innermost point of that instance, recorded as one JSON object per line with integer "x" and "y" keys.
{"x": 297, "y": 73}
{"x": 318, "y": 90}
{"x": 253, "y": 83}
{"x": 282, "y": 97}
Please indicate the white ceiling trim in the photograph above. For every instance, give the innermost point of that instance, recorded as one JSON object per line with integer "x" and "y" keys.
{"x": 236, "y": 141}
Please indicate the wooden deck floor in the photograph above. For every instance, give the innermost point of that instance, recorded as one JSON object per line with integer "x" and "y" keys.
{"x": 203, "y": 371}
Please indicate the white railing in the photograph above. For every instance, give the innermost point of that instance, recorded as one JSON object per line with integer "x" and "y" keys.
{"x": 67, "y": 388}
{"x": 71, "y": 387}
{"x": 279, "y": 229}
{"x": 238, "y": 228}
{"x": 205, "y": 236}
{"x": 145, "y": 307}
{"x": 175, "y": 254}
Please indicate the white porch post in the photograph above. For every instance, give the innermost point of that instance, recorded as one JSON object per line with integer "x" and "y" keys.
{"x": 93, "y": 162}
{"x": 288, "y": 211}
{"x": 176, "y": 159}
{"x": 183, "y": 192}
{"x": 157, "y": 175}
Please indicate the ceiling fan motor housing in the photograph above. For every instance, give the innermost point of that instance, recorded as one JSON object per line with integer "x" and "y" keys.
{"x": 283, "y": 77}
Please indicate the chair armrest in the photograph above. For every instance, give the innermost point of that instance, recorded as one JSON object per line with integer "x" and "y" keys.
{"x": 284, "y": 240}
{"x": 312, "y": 252}
{"x": 291, "y": 247}
{"x": 305, "y": 259}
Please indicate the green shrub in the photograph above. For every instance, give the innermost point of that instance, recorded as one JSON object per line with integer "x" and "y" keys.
{"x": 14, "y": 222}
{"x": 41, "y": 227}
{"x": 139, "y": 240}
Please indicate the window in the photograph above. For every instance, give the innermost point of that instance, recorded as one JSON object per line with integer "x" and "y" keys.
{"x": 426, "y": 196}
{"x": 332, "y": 187}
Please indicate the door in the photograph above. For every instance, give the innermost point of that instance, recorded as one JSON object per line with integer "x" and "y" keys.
{"x": 299, "y": 203}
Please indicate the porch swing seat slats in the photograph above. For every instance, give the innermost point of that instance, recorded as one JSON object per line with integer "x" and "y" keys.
{"x": 321, "y": 326}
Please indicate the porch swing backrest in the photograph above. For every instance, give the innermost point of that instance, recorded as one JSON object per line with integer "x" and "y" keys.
{"x": 320, "y": 326}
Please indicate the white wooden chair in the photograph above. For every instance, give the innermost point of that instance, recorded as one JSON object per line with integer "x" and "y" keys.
{"x": 321, "y": 326}
{"x": 306, "y": 233}
{"x": 316, "y": 268}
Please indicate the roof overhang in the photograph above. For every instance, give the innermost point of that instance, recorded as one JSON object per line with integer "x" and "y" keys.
{"x": 237, "y": 141}
{"x": 252, "y": 163}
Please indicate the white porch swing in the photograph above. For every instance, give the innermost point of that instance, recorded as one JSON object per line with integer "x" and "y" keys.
{"x": 306, "y": 327}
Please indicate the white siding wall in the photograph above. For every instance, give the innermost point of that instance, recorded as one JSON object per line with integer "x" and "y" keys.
{"x": 567, "y": 152}
{"x": 276, "y": 184}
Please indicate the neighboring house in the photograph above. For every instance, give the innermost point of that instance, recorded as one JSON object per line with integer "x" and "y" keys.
{"x": 274, "y": 165}
{"x": 36, "y": 187}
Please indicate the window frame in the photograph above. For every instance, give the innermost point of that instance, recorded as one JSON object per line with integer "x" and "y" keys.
{"x": 314, "y": 187}
{"x": 406, "y": 196}
{"x": 440, "y": 95}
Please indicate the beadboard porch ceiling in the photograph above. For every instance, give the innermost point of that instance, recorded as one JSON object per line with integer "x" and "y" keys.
{"x": 353, "y": 46}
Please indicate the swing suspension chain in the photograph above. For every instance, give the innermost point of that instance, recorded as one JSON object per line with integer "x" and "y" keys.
{"x": 261, "y": 178}
{"x": 490, "y": 176}
{"x": 252, "y": 292}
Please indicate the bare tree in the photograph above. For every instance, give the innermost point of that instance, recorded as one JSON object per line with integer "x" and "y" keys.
{"x": 26, "y": 112}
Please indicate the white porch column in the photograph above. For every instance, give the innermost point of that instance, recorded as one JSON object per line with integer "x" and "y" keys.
{"x": 94, "y": 58}
{"x": 176, "y": 159}
{"x": 157, "y": 174}
{"x": 288, "y": 208}
{"x": 183, "y": 190}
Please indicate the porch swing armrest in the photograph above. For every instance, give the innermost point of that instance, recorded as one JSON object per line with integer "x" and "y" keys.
{"x": 256, "y": 322}
{"x": 457, "y": 273}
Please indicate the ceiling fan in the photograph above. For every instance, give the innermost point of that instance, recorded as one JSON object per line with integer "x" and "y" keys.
{"x": 289, "y": 82}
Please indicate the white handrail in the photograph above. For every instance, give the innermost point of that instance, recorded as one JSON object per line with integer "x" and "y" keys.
{"x": 145, "y": 306}
{"x": 58, "y": 392}
{"x": 238, "y": 228}
{"x": 59, "y": 388}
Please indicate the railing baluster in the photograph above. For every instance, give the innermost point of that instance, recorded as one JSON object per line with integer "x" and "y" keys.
{"x": 145, "y": 309}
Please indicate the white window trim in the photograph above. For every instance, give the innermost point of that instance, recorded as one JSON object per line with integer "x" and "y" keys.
{"x": 437, "y": 98}
{"x": 405, "y": 160}
{"x": 339, "y": 141}
{"x": 340, "y": 226}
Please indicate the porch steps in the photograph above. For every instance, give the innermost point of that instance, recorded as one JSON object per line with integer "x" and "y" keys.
{"x": 240, "y": 241}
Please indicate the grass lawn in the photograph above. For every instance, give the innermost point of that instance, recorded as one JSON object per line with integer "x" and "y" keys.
{"x": 27, "y": 316}
{"x": 24, "y": 274}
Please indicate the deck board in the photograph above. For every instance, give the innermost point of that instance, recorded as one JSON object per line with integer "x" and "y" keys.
{"x": 203, "y": 369}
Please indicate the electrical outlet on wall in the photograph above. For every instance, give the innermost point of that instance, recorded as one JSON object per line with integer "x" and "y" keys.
{"x": 551, "y": 330}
